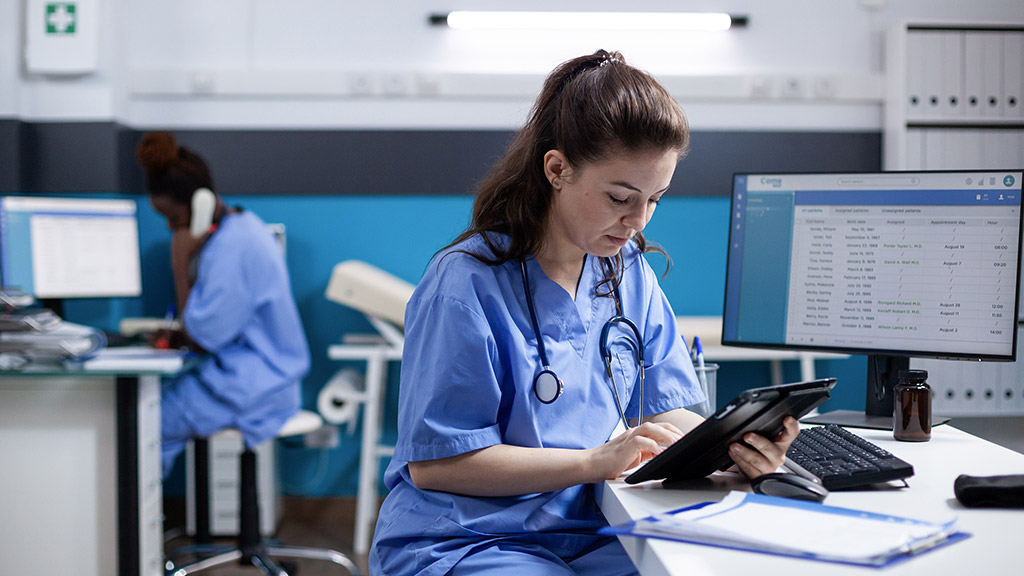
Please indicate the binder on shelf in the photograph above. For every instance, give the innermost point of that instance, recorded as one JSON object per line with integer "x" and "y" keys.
{"x": 1013, "y": 75}
{"x": 934, "y": 87}
{"x": 934, "y": 148}
{"x": 974, "y": 70}
{"x": 964, "y": 149}
{"x": 915, "y": 149}
{"x": 1002, "y": 148}
{"x": 992, "y": 75}
{"x": 915, "y": 74}
{"x": 801, "y": 529}
{"x": 952, "y": 62}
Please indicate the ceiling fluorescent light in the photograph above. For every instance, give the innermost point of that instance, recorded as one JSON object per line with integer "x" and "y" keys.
{"x": 475, "y": 20}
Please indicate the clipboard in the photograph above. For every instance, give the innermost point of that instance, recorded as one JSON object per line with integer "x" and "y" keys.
{"x": 799, "y": 529}
{"x": 706, "y": 448}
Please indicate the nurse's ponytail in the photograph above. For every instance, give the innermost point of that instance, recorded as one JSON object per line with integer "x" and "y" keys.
{"x": 590, "y": 108}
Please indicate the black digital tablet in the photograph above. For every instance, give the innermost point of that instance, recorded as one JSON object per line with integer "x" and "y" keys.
{"x": 706, "y": 448}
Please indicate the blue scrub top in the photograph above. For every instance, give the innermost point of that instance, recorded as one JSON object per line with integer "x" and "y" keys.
{"x": 468, "y": 367}
{"x": 241, "y": 311}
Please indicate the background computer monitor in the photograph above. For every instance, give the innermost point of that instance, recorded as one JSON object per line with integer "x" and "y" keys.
{"x": 70, "y": 247}
{"x": 890, "y": 265}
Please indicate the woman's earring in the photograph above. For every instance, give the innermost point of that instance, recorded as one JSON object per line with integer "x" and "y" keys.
{"x": 556, "y": 183}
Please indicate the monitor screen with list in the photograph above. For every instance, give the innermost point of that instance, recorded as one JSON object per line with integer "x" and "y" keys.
{"x": 890, "y": 265}
{"x": 70, "y": 247}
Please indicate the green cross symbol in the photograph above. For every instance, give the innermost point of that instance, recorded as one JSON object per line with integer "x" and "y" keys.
{"x": 60, "y": 18}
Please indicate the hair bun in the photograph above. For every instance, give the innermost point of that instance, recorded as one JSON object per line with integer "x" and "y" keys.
{"x": 157, "y": 151}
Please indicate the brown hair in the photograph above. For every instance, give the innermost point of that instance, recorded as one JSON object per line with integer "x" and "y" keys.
{"x": 590, "y": 107}
{"x": 171, "y": 170}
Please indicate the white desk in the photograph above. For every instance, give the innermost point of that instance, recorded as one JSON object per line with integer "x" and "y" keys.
{"x": 994, "y": 548}
{"x": 80, "y": 489}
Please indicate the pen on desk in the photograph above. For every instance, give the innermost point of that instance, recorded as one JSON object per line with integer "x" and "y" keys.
{"x": 164, "y": 341}
{"x": 701, "y": 373}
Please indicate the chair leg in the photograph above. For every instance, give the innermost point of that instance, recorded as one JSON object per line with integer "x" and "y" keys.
{"x": 202, "y": 545}
{"x": 266, "y": 565}
{"x": 249, "y": 539}
{"x": 211, "y": 562}
{"x": 252, "y": 549}
{"x": 315, "y": 554}
{"x": 201, "y": 446}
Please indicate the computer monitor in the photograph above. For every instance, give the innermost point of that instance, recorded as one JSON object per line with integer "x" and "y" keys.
{"x": 70, "y": 247}
{"x": 890, "y": 265}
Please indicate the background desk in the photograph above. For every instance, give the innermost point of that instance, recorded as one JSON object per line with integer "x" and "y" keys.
{"x": 775, "y": 357}
{"x": 80, "y": 488}
{"x": 994, "y": 548}
{"x": 709, "y": 328}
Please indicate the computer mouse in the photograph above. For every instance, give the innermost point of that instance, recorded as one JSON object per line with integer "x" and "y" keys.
{"x": 789, "y": 486}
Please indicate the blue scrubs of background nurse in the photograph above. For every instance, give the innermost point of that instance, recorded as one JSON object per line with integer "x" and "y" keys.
{"x": 489, "y": 476}
{"x": 234, "y": 294}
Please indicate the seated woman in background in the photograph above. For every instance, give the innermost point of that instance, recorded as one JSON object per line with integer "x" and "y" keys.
{"x": 233, "y": 291}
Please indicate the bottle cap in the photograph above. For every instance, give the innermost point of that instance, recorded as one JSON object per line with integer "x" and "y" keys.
{"x": 913, "y": 375}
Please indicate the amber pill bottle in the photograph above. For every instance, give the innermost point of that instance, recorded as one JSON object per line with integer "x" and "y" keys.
{"x": 912, "y": 411}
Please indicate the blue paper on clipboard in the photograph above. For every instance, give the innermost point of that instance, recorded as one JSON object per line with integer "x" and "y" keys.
{"x": 773, "y": 525}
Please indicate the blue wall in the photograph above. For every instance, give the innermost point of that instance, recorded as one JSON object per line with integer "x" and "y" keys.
{"x": 400, "y": 234}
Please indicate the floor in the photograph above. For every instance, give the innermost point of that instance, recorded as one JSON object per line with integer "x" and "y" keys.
{"x": 310, "y": 522}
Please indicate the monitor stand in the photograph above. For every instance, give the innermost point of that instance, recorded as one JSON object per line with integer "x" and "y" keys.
{"x": 883, "y": 374}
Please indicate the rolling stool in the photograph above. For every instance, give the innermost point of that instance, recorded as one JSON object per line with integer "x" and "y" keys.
{"x": 251, "y": 549}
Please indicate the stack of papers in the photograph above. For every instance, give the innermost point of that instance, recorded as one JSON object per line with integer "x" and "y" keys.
{"x": 136, "y": 359}
{"x": 57, "y": 340}
{"x": 796, "y": 528}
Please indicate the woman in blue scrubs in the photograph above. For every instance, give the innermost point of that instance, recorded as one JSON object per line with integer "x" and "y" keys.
{"x": 236, "y": 304}
{"x": 507, "y": 414}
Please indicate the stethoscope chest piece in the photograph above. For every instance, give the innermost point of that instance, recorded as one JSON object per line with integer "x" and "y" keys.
{"x": 547, "y": 386}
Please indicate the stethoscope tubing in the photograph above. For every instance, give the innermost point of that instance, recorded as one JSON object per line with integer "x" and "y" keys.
{"x": 547, "y": 386}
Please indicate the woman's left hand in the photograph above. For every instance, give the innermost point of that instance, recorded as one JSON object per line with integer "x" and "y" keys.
{"x": 767, "y": 455}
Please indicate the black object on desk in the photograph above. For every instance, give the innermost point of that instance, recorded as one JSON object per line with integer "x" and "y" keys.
{"x": 990, "y": 491}
{"x": 788, "y": 485}
{"x": 706, "y": 448}
{"x": 118, "y": 340}
{"x": 841, "y": 459}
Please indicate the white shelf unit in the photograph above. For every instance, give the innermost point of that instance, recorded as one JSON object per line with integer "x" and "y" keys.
{"x": 976, "y": 388}
{"x": 955, "y": 101}
{"x": 954, "y": 97}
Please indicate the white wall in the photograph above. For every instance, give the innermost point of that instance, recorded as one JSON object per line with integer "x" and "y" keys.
{"x": 338, "y": 64}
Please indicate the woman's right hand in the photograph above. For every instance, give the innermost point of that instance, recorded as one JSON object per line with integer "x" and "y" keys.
{"x": 166, "y": 338}
{"x": 632, "y": 448}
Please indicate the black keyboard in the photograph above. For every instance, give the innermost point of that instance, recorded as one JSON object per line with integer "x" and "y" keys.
{"x": 841, "y": 459}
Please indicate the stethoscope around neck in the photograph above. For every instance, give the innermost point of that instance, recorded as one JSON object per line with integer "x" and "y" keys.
{"x": 547, "y": 386}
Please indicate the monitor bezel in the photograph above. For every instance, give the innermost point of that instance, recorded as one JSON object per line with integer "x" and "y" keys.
{"x": 52, "y": 298}
{"x": 903, "y": 353}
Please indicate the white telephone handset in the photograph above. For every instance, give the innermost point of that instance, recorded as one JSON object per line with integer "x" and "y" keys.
{"x": 204, "y": 204}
